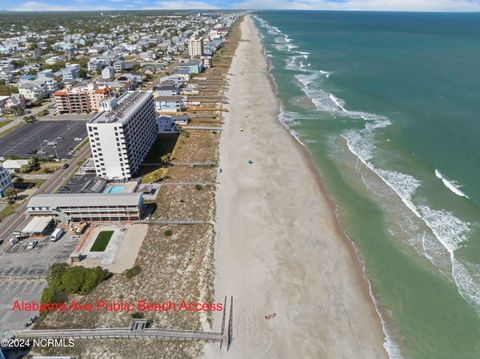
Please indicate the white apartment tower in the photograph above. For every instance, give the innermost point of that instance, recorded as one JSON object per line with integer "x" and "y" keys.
{"x": 195, "y": 47}
{"x": 122, "y": 134}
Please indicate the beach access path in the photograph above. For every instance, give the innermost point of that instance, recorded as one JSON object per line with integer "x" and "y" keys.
{"x": 279, "y": 248}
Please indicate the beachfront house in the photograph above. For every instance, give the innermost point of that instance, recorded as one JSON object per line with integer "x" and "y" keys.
{"x": 192, "y": 67}
{"x": 167, "y": 88}
{"x": 166, "y": 124}
{"x": 170, "y": 104}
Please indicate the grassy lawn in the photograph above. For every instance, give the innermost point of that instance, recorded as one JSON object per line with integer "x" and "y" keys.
{"x": 11, "y": 129}
{"x": 48, "y": 167}
{"x": 81, "y": 145}
{"x": 33, "y": 182}
{"x": 3, "y": 123}
{"x": 8, "y": 210}
{"x": 102, "y": 241}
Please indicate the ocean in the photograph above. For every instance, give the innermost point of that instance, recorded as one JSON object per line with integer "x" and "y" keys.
{"x": 388, "y": 105}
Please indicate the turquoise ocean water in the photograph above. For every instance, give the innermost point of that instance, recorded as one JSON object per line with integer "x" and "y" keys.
{"x": 389, "y": 106}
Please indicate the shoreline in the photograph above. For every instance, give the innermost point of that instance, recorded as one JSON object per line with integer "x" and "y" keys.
{"x": 389, "y": 345}
{"x": 358, "y": 343}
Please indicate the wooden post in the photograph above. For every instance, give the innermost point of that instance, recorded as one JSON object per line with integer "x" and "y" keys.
{"x": 230, "y": 325}
{"x": 223, "y": 320}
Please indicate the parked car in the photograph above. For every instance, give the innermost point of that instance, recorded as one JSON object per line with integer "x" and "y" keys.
{"x": 32, "y": 244}
{"x": 77, "y": 139}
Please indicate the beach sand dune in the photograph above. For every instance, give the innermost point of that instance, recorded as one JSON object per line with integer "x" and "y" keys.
{"x": 278, "y": 247}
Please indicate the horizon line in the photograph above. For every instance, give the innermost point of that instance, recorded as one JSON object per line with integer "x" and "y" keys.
{"x": 245, "y": 10}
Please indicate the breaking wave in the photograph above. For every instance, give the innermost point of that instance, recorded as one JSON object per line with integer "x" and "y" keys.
{"x": 451, "y": 185}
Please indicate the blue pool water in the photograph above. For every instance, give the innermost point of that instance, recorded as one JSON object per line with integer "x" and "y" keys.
{"x": 115, "y": 189}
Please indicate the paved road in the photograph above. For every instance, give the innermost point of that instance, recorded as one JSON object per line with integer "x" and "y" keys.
{"x": 119, "y": 333}
{"x": 17, "y": 220}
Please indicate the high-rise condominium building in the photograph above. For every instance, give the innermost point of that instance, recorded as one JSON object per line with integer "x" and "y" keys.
{"x": 195, "y": 47}
{"x": 122, "y": 134}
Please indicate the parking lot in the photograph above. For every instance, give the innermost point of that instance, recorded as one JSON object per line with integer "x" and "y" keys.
{"x": 17, "y": 289}
{"x": 86, "y": 183}
{"x": 21, "y": 271}
{"x": 48, "y": 138}
{"x": 21, "y": 262}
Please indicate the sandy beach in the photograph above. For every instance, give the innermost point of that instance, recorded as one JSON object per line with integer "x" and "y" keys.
{"x": 278, "y": 246}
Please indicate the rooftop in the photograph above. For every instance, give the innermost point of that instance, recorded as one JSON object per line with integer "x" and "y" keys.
{"x": 84, "y": 200}
{"x": 127, "y": 104}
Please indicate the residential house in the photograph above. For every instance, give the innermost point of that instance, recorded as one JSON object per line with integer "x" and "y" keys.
{"x": 165, "y": 124}
{"x": 108, "y": 72}
{"x": 167, "y": 88}
{"x": 70, "y": 72}
{"x": 119, "y": 66}
{"x": 192, "y": 66}
{"x": 31, "y": 91}
{"x": 54, "y": 59}
{"x": 45, "y": 74}
{"x": 169, "y": 104}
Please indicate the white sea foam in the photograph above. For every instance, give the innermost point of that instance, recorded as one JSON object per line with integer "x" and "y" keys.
{"x": 451, "y": 185}
{"x": 449, "y": 230}
{"x": 287, "y": 119}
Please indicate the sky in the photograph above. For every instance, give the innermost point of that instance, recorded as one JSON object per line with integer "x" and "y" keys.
{"x": 380, "y": 5}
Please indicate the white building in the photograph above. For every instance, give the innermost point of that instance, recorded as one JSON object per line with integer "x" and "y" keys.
{"x": 5, "y": 180}
{"x": 122, "y": 134}
{"x": 95, "y": 207}
{"x": 170, "y": 104}
{"x": 165, "y": 124}
{"x": 195, "y": 47}
{"x": 31, "y": 92}
{"x": 119, "y": 66}
{"x": 70, "y": 72}
{"x": 108, "y": 72}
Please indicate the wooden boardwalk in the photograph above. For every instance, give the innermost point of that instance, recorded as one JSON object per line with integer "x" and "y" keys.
{"x": 119, "y": 333}
{"x": 140, "y": 329}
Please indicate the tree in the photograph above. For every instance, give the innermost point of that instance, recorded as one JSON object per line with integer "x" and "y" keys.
{"x": 82, "y": 73}
{"x": 29, "y": 119}
{"x": 17, "y": 181}
{"x": 26, "y": 168}
{"x": 33, "y": 162}
{"x": 11, "y": 193}
{"x": 165, "y": 160}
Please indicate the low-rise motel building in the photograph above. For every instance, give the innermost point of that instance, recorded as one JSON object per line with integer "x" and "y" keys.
{"x": 86, "y": 207}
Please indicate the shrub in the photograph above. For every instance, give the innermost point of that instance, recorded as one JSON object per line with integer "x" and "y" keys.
{"x": 64, "y": 280}
{"x": 137, "y": 315}
{"x": 132, "y": 272}
{"x": 198, "y": 187}
{"x": 168, "y": 232}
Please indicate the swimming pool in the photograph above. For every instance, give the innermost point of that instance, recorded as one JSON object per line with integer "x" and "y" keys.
{"x": 115, "y": 189}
